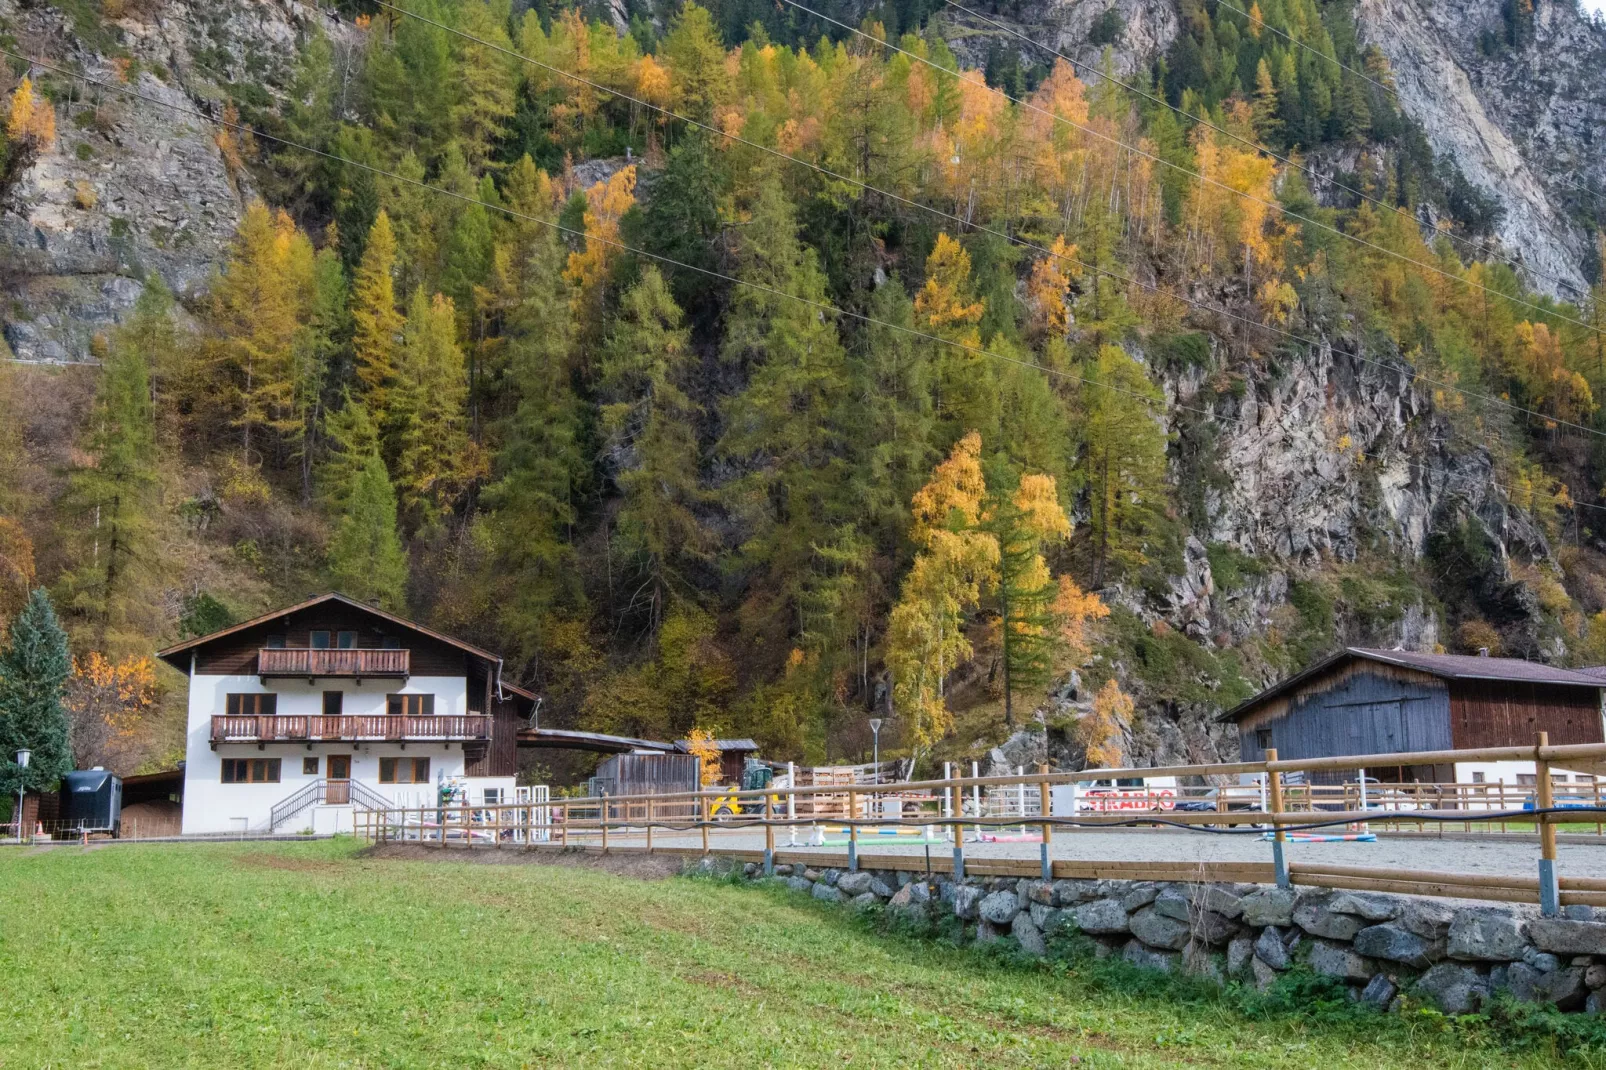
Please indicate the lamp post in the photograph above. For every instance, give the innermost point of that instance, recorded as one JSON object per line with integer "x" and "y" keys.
{"x": 875, "y": 735}
{"x": 23, "y": 757}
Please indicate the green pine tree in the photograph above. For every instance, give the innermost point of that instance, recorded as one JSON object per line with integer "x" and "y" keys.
{"x": 33, "y": 673}
{"x": 366, "y": 559}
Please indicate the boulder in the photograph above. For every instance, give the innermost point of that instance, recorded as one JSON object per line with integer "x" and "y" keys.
{"x": 1368, "y": 905}
{"x": 1595, "y": 976}
{"x": 783, "y": 871}
{"x": 1200, "y": 961}
{"x": 1271, "y": 950}
{"x": 1157, "y": 930}
{"x": 811, "y": 875}
{"x": 1040, "y": 892}
{"x": 1379, "y": 992}
{"x": 1268, "y": 906}
{"x": 1223, "y": 901}
{"x": 966, "y": 899}
{"x": 1595, "y": 1003}
{"x": 1263, "y": 974}
{"x": 1028, "y": 935}
{"x": 1067, "y": 893}
{"x": 1139, "y": 895}
{"x": 831, "y": 876}
{"x": 1172, "y": 903}
{"x": 863, "y": 901}
{"x": 1316, "y": 916}
{"x": 1138, "y": 954}
{"x": 999, "y": 908}
{"x": 1579, "y": 912}
{"x": 798, "y": 884}
{"x": 825, "y": 892}
{"x": 988, "y": 933}
{"x": 917, "y": 893}
{"x": 1427, "y": 918}
{"x": 880, "y": 888}
{"x": 1101, "y": 916}
{"x": 1567, "y": 937}
{"x": 1239, "y": 952}
{"x": 1543, "y": 961}
{"x": 1215, "y": 929}
{"x": 1454, "y": 988}
{"x": 748, "y": 869}
{"x": 1564, "y": 988}
{"x": 1394, "y": 944}
{"x": 1338, "y": 960}
{"x": 1487, "y": 934}
{"x": 852, "y": 884}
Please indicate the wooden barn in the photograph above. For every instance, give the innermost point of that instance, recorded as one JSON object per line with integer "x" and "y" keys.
{"x": 1362, "y": 701}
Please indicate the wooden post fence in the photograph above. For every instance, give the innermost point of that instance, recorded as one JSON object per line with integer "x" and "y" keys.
{"x": 1549, "y": 887}
{"x": 1274, "y": 784}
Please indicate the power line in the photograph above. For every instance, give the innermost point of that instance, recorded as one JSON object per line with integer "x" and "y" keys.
{"x": 1477, "y": 248}
{"x": 1362, "y": 74}
{"x": 1273, "y": 206}
{"x": 571, "y": 232}
{"x": 1013, "y": 239}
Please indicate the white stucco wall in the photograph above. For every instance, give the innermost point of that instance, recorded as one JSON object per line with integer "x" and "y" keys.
{"x": 212, "y": 806}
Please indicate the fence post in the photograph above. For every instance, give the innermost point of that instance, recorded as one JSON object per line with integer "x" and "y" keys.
{"x": 1048, "y": 830}
{"x": 1549, "y": 885}
{"x": 702, "y": 811}
{"x": 602, "y": 816}
{"x": 1274, "y": 784}
{"x": 853, "y": 831}
{"x": 649, "y": 825}
{"x": 563, "y": 834}
{"x": 959, "y": 834}
{"x": 769, "y": 835}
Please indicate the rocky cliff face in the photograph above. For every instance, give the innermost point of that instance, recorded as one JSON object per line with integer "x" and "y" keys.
{"x": 1521, "y": 119}
{"x": 131, "y": 188}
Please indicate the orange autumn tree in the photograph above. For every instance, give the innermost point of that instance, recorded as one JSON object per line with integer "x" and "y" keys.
{"x": 700, "y": 744}
{"x": 107, "y": 703}
{"x": 1102, "y": 730}
{"x": 606, "y": 203}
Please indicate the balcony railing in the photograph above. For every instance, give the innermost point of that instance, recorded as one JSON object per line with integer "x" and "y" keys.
{"x": 314, "y": 663}
{"x": 290, "y": 728}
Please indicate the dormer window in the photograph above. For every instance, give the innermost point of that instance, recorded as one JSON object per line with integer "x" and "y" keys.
{"x": 320, "y": 640}
{"x": 391, "y": 642}
{"x": 348, "y": 640}
{"x": 275, "y": 642}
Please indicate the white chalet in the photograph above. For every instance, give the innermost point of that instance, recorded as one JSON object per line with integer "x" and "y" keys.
{"x": 301, "y": 717}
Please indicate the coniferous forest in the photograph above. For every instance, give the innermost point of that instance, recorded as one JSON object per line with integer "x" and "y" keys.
{"x": 751, "y": 372}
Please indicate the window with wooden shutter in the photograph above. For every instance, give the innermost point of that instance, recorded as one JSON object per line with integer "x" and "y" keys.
{"x": 251, "y": 704}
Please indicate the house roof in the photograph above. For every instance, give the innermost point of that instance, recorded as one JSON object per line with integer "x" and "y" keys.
{"x": 568, "y": 739}
{"x": 1445, "y": 666}
{"x": 171, "y": 653}
{"x": 720, "y": 744}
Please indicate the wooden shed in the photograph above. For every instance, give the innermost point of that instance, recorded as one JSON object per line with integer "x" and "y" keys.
{"x": 1362, "y": 701}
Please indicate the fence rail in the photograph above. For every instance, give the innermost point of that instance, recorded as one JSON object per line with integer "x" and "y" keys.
{"x": 1024, "y": 802}
{"x": 318, "y": 661}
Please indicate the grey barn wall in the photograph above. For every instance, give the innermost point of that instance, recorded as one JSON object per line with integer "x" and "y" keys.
{"x": 1359, "y": 711}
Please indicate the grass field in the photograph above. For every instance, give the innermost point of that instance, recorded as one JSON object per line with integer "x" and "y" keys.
{"x": 312, "y": 955}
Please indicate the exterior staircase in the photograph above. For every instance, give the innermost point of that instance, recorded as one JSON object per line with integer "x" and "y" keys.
{"x": 318, "y": 793}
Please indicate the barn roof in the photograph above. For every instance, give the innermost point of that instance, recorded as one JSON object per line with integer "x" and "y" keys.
{"x": 1445, "y": 666}
{"x": 719, "y": 744}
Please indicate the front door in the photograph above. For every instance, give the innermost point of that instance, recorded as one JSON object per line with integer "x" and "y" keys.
{"x": 338, "y": 790}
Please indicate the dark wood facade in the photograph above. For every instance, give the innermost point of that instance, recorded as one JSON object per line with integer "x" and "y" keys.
{"x": 1495, "y": 713}
{"x": 236, "y": 653}
{"x": 1359, "y": 703}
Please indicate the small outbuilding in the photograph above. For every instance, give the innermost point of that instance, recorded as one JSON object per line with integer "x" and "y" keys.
{"x": 1362, "y": 701}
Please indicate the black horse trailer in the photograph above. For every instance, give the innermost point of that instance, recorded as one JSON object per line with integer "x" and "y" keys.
{"x": 91, "y": 801}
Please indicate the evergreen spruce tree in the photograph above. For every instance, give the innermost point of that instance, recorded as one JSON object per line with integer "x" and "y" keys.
{"x": 376, "y": 324}
{"x": 33, "y": 673}
{"x": 366, "y": 559}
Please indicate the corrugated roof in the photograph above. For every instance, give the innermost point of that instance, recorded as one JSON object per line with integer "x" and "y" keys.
{"x": 1446, "y": 666}
{"x": 720, "y": 744}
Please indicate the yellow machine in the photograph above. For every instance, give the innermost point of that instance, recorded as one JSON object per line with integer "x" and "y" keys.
{"x": 755, "y": 777}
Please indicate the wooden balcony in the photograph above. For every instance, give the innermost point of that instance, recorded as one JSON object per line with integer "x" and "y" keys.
{"x": 317, "y": 663}
{"x": 379, "y": 728}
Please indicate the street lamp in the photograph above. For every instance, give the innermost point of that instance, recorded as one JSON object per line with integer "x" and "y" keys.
{"x": 23, "y": 757}
{"x": 875, "y": 733}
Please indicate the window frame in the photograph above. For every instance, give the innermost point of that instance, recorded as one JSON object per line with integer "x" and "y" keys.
{"x": 271, "y": 770}
{"x": 345, "y": 640}
{"x": 261, "y": 703}
{"x": 1263, "y": 738}
{"x": 390, "y": 765}
{"x": 409, "y": 704}
{"x": 309, "y": 766}
{"x": 320, "y": 639}
{"x": 339, "y": 703}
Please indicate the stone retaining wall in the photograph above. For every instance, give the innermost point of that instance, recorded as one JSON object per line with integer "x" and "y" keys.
{"x": 1452, "y": 953}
